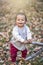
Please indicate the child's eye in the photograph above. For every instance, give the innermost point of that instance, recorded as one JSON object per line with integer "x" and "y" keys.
{"x": 18, "y": 19}
{"x": 22, "y": 20}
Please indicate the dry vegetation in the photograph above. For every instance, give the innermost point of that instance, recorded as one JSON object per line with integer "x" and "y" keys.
{"x": 8, "y": 10}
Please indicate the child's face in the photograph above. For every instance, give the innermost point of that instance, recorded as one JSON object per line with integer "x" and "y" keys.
{"x": 20, "y": 20}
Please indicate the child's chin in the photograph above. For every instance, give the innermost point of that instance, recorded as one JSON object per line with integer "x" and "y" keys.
{"x": 20, "y": 25}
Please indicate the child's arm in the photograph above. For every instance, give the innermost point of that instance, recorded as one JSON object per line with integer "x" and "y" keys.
{"x": 17, "y": 36}
{"x": 29, "y": 36}
{"x": 27, "y": 41}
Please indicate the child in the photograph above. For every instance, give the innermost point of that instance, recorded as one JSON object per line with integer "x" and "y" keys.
{"x": 21, "y": 36}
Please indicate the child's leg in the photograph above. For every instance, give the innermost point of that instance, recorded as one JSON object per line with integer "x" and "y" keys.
{"x": 24, "y": 53}
{"x": 13, "y": 53}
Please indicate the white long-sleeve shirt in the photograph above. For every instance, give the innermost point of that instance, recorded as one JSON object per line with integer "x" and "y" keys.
{"x": 20, "y": 34}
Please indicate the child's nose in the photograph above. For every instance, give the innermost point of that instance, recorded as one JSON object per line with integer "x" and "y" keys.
{"x": 20, "y": 20}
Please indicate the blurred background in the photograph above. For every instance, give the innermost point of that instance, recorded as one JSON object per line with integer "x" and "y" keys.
{"x": 8, "y": 10}
{"x": 33, "y": 10}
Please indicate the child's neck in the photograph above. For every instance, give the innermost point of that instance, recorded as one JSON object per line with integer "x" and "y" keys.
{"x": 21, "y": 26}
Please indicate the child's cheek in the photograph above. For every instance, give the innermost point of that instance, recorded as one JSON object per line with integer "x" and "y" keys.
{"x": 23, "y": 21}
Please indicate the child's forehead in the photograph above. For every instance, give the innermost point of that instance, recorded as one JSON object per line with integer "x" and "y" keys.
{"x": 20, "y": 16}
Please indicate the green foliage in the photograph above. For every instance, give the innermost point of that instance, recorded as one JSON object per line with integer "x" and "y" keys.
{"x": 3, "y": 40}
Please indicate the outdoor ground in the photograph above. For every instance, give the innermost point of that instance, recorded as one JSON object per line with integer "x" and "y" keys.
{"x": 34, "y": 13}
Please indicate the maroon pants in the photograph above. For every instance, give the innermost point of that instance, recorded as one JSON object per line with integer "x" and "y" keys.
{"x": 13, "y": 53}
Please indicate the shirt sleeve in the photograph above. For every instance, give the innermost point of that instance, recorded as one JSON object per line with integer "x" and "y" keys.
{"x": 17, "y": 36}
{"x": 29, "y": 35}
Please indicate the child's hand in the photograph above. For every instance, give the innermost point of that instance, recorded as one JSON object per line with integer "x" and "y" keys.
{"x": 27, "y": 41}
{"x": 30, "y": 41}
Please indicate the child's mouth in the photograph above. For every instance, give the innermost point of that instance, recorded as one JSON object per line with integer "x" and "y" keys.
{"x": 20, "y": 23}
